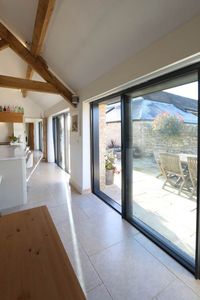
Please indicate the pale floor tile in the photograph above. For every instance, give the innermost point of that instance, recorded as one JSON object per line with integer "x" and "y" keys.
{"x": 99, "y": 293}
{"x": 88, "y": 277}
{"x": 93, "y": 206}
{"x": 130, "y": 272}
{"x": 105, "y": 231}
{"x": 177, "y": 291}
{"x": 174, "y": 267}
{"x": 66, "y": 232}
{"x": 67, "y": 213}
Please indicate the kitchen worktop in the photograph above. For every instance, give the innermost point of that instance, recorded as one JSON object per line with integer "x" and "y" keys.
{"x": 12, "y": 152}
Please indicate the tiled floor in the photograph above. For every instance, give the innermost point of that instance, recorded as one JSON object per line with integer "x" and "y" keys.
{"x": 37, "y": 157}
{"x": 111, "y": 258}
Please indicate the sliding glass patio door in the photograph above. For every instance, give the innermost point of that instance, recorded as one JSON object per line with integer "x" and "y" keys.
{"x": 163, "y": 172}
{"x": 158, "y": 162}
{"x": 106, "y": 117}
{"x": 61, "y": 140}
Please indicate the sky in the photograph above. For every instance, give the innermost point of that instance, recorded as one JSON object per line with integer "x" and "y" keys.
{"x": 189, "y": 90}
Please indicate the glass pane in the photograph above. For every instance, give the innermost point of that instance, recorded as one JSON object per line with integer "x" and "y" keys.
{"x": 40, "y": 136}
{"x": 67, "y": 148}
{"x": 61, "y": 142}
{"x": 165, "y": 127}
{"x": 110, "y": 149}
{"x": 55, "y": 139}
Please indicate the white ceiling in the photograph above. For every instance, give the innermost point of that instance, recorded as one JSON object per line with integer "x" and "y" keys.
{"x": 12, "y": 65}
{"x": 88, "y": 38}
{"x": 19, "y": 16}
{"x": 44, "y": 100}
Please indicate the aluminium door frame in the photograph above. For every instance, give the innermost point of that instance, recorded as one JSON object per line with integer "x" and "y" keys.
{"x": 150, "y": 233}
{"x": 94, "y": 117}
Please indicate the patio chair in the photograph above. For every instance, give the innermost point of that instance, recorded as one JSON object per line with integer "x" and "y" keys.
{"x": 192, "y": 167}
{"x": 157, "y": 159}
{"x": 173, "y": 171}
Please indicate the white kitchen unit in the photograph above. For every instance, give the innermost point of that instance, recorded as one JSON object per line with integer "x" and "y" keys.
{"x": 13, "y": 190}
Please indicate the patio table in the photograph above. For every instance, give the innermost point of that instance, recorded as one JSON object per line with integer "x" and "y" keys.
{"x": 183, "y": 157}
{"x": 184, "y": 162}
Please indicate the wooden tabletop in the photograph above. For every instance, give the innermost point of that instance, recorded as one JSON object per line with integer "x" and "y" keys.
{"x": 183, "y": 157}
{"x": 33, "y": 261}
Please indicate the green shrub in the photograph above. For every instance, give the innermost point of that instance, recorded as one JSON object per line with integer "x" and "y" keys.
{"x": 168, "y": 125}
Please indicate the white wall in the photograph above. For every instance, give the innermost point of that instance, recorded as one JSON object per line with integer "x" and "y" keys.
{"x": 75, "y": 153}
{"x": 6, "y": 130}
{"x": 57, "y": 108}
{"x": 176, "y": 46}
{"x": 74, "y": 143}
{"x": 20, "y": 131}
{"x": 14, "y": 97}
{"x": 31, "y": 110}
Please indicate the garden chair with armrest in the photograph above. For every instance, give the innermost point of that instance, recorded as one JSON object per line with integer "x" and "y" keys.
{"x": 192, "y": 167}
{"x": 173, "y": 171}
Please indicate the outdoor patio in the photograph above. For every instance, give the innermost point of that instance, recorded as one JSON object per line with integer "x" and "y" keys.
{"x": 170, "y": 214}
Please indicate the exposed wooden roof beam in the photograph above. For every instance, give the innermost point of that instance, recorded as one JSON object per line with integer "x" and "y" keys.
{"x": 31, "y": 85}
{"x": 3, "y": 44}
{"x": 37, "y": 63}
{"x": 44, "y": 12}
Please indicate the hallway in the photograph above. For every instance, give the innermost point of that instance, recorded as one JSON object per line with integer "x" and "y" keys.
{"x": 110, "y": 257}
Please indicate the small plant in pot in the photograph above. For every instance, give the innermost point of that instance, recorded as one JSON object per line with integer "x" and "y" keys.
{"x": 110, "y": 167}
{"x": 13, "y": 139}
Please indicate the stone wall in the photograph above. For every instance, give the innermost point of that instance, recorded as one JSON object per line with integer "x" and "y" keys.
{"x": 150, "y": 143}
{"x": 113, "y": 132}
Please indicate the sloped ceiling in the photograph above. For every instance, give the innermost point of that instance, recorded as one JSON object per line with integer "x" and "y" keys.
{"x": 12, "y": 65}
{"x": 87, "y": 38}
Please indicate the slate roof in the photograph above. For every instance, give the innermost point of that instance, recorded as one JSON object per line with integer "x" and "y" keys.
{"x": 145, "y": 109}
{"x": 183, "y": 103}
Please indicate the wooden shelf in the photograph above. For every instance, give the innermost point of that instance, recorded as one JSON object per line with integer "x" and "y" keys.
{"x": 11, "y": 117}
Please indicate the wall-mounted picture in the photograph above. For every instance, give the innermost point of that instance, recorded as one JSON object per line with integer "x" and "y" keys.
{"x": 74, "y": 126}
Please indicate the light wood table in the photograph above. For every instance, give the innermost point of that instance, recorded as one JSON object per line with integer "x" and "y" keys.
{"x": 183, "y": 157}
{"x": 33, "y": 261}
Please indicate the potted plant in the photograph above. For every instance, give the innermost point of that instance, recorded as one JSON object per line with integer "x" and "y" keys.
{"x": 110, "y": 167}
{"x": 13, "y": 139}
